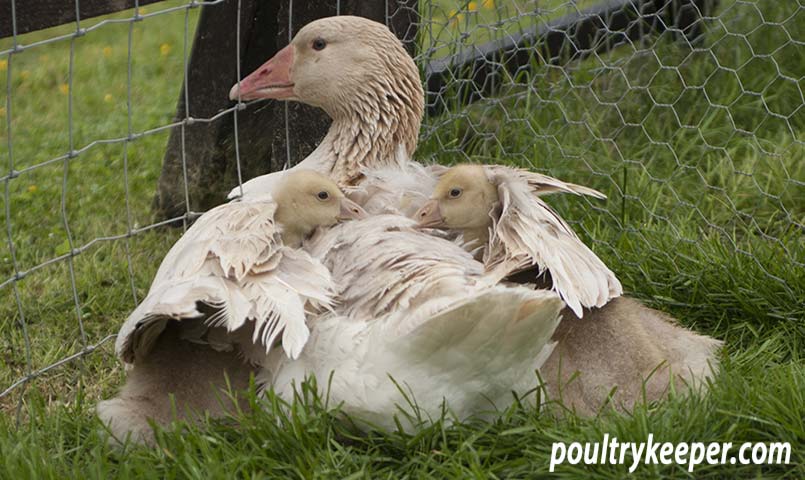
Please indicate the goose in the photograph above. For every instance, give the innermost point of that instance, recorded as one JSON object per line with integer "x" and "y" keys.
{"x": 525, "y": 231}
{"x": 234, "y": 284}
{"x": 358, "y": 73}
{"x": 621, "y": 343}
{"x": 372, "y": 91}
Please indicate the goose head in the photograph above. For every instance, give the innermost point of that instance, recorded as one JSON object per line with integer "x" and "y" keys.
{"x": 358, "y": 72}
{"x": 462, "y": 200}
{"x": 307, "y": 200}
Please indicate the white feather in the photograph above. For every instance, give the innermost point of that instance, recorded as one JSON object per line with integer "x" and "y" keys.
{"x": 232, "y": 260}
{"x": 530, "y": 233}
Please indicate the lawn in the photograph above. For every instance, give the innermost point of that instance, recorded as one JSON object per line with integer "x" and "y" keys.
{"x": 699, "y": 149}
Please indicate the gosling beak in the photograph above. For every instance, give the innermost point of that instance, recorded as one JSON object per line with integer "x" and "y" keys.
{"x": 430, "y": 215}
{"x": 350, "y": 210}
{"x": 271, "y": 80}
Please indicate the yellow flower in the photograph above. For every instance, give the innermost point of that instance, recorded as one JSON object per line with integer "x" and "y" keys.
{"x": 165, "y": 49}
{"x": 107, "y": 52}
{"x": 25, "y": 74}
{"x": 472, "y": 6}
{"x": 32, "y": 188}
{"x": 488, "y": 4}
{"x": 3, "y": 65}
{"x": 143, "y": 10}
{"x": 107, "y": 98}
{"x": 64, "y": 88}
{"x": 454, "y": 18}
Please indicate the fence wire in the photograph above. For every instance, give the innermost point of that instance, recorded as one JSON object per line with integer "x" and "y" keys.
{"x": 694, "y": 132}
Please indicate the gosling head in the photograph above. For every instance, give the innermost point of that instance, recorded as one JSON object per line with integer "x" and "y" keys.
{"x": 463, "y": 199}
{"x": 307, "y": 200}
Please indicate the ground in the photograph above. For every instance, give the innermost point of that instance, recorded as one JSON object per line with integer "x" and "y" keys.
{"x": 699, "y": 150}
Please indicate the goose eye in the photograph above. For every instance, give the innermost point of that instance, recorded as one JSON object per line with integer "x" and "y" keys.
{"x": 455, "y": 193}
{"x": 323, "y": 195}
{"x": 319, "y": 44}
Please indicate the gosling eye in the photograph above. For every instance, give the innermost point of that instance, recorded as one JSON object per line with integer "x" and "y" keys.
{"x": 323, "y": 195}
{"x": 455, "y": 193}
{"x": 319, "y": 44}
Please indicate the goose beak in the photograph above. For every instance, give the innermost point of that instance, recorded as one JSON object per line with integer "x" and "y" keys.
{"x": 430, "y": 215}
{"x": 271, "y": 80}
{"x": 350, "y": 210}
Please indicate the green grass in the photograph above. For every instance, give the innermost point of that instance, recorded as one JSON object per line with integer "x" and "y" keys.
{"x": 458, "y": 25}
{"x": 700, "y": 153}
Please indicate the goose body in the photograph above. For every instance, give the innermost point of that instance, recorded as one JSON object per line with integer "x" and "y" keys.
{"x": 399, "y": 300}
{"x": 623, "y": 354}
{"x": 419, "y": 320}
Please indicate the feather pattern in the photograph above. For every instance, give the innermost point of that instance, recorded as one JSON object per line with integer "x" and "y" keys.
{"x": 384, "y": 264}
{"x": 468, "y": 355}
{"x": 530, "y": 233}
{"x": 401, "y": 189}
{"x": 232, "y": 260}
{"x": 418, "y": 310}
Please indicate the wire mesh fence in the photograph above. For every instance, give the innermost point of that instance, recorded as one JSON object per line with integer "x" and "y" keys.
{"x": 694, "y": 132}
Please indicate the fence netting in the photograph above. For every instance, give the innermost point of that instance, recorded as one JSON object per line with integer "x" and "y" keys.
{"x": 693, "y": 128}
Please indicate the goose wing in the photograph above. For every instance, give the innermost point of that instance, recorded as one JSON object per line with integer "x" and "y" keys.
{"x": 231, "y": 270}
{"x": 540, "y": 184}
{"x": 530, "y": 233}
{"x": 383, "y": 264}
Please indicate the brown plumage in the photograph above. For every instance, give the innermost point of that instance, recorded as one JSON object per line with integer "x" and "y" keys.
{"x": 627, "y": 348}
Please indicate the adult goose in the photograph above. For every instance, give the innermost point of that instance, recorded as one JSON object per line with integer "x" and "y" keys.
{"x": 232, "y": 286}
{"x": 622, "y": 343}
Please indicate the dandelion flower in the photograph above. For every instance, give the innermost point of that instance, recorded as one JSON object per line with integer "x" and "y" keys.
{"x": 32, "y": 188}
{"x": 165, "y": 49}
{"x": 472, "y": 6}
{"x": 3, "y": 65}
{"x": 107, "y": 52}
{"x": 107, "y": 98}
{"x": 64, "y": 89}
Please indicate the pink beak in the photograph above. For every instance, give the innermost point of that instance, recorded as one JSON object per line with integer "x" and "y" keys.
{"x": 271, "y": 80}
